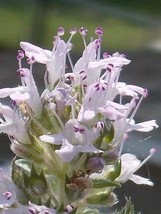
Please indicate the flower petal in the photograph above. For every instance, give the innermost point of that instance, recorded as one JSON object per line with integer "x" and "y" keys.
{"x": 53, "y": 139}
{"x": 140, "y": 180}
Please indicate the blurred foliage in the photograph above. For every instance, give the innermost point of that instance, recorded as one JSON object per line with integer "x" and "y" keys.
{"x": 146, "y": 6}
{"x": 37, "y": 20}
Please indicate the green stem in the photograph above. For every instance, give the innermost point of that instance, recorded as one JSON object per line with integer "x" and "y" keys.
{"x": 61, "y": 190}
{"x": 52, "y": 161}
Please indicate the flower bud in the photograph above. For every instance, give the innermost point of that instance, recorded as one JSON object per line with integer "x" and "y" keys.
{"x": 110, "y": 156}
{"x": 95, "y": 164}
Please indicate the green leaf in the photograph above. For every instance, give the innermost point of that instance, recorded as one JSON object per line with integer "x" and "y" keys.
{"x": 100, "y": 183}
{"x": 24, "y": 164}
{"x": 99, "y": 198}
{"x": 115, "y": 172}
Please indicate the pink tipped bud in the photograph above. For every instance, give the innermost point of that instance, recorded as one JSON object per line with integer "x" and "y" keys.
{"x": 60, "y": 31}
{"x": 83, "y": 31}
{"x": 99, "y": 31}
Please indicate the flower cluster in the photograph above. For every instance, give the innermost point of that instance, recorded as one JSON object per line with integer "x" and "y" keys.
{"x": 68, "y": 140}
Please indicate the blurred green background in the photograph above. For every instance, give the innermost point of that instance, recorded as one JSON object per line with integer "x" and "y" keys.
{"x": 127, "y": 25}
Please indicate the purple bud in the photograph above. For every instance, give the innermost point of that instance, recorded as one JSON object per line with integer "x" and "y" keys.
{"x": 111, "y": 156}
{"x": 95, "y": 164}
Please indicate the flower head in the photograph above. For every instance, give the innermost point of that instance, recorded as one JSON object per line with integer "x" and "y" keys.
{"x": 127, "y": 173}
{"x": 68, "y": 140}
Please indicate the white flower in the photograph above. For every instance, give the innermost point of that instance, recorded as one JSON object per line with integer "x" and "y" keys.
{"x": 129, "y": 165}
{"x": 92, "y": 66}
{"x": 54, "y": 60}
{"x": 145, "y": 126}
{"x": 29, "y": 209}
{"x": 25, "y": 93}
{"x": 17, "y": 210}
{"x": 34, "y": 209}
{"x": 74, "y": 139}
{"x": 8, "y": 192}
{"x": 13, "y": 124}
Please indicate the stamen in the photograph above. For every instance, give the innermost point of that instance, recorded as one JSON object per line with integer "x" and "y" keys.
{"x": 98, "y": 47}
{"x": 30, "y": 60}
{"x": 70, "y": 61}
{"x": 137, "y": 106}
{"x": 56, "y": 115}
{"x": 83, "y": 33}
{"x": 99, "y": 31}
{"x": 132, "y": 105}
{"x": 7, "y": 195}
{"x": 105, "y": 55}
{"x": 73, "y": 31}
{"x": 20, "y": 55}
{"x": 152, "y": 151}
{"x": 82, "y": 75}
{"x": 80, "y": 130}
{"x": 60, "y": 31}
{"x": 32, "y": 210}
{"x": 125, "y": 138}
{"x": 69, "y": 208}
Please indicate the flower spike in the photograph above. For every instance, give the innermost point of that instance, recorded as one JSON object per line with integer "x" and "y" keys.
{"x": 68, "y": 141}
